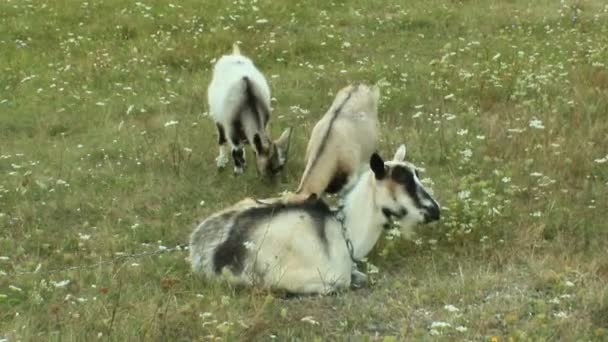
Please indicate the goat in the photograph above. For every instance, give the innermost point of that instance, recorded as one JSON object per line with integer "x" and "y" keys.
{"x": 239, "y": 101}
{"x": 306, "y": 247}
{"x": 341, "y": 142}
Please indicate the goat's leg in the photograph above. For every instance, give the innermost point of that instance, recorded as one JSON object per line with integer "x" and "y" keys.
{"x": 358, "y": 279}
{"x": 310, "y": 281}
{"x": 222, "y": 158}
{"x": 238, "y": 155}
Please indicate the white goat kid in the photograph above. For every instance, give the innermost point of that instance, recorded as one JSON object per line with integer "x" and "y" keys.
{"x": 342, "y": 142}
{"x": 305, "y": 247}
{"x": 239, "y": 101}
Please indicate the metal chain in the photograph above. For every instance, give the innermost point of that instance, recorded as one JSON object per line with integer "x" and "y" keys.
{"x": 341, "y": 217}
{"x": 115, "y": 259}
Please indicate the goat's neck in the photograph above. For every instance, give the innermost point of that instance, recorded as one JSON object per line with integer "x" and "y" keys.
{"x": 362, "y": 220}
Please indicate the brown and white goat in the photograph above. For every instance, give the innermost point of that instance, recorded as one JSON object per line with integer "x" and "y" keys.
{"x": 342, "y": 142}
{"x": 239, "y": 101}
{"x": 305, "y": 247}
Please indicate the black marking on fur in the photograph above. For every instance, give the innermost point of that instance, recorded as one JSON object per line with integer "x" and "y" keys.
{"x": 238, "y": 155}
{"x": 377, "y": 165}
{"x": 274, "y": 164}
{"x": 253, "y": 104}
{"x": 232, "y": 252}
{"x": 221, "y": 134}
{"x": 257, "y": 144}
{"x": 337, "y": 182}
{"x": 325, "y": 138}
{"x": 389, "y": 214}
{"x": 238, "y": 133}
{"x": 404, "y": 176}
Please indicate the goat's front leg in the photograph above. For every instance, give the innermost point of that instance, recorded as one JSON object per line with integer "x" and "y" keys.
{"x": 358, "y": 279}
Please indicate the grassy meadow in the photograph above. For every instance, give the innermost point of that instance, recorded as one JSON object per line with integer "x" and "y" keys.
{"x": 106, "y": 149}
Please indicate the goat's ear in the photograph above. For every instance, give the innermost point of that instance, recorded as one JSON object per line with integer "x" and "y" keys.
{"x": 283, "y": 145}
{"x": 377, "y": 165}
{"x": 400, "y": 154}
{"x": 283, "y": 140}
{"x": 257, "y": 143}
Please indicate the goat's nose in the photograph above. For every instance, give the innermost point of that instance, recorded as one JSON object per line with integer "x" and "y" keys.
{"x": 432, "y": 214}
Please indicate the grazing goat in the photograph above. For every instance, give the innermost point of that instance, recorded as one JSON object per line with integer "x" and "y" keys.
{"x": 341, "y": 143}
{"x": 239, "y": 101}
{"x": 306, "y": 247}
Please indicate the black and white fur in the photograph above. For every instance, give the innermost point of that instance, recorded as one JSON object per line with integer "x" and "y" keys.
{"x": 301, "y": 247}
{"x": 239, "y": 101}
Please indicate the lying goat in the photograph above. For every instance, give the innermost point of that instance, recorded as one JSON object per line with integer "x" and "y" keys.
{"x": 341, "y": 143}
{"x": 239, "y": 101}
{"x": 305, "y": 247}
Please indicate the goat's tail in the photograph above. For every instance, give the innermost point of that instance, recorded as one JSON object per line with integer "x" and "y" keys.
{"x": 235, "y": 49}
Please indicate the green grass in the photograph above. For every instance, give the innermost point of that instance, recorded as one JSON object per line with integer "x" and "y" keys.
{"x": 505, "y": 103}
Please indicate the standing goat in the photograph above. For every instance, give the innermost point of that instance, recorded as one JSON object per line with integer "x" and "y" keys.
{"x": 239, "y": 101}
{"x": 305, "y": 247}
{"x": 342, "y": 142}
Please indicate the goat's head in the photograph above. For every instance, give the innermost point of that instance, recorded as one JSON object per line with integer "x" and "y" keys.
{"x": 271, "y": 156}
{"x": 400, "y": 194}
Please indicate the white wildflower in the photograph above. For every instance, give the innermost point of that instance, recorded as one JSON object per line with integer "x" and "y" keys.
{"x": 462, "y": 131}
{"x": 569, "y": 283}
{"x": 561, "y": 314}
{"x": 61, "y": 283}
{"x": 536, "y": 123}
{"x": 464, "y": 194}
{"x": 15, "y": 288}
{"x": 309, "y": 319}
{"x": 171, "y": 123}
{"x": 261, "y": 21}
{"x": 440, "y": 325}
{"x": 601, "y": 160}
{"x": 451, "y": 308}
{"x": 515, "y": 130}
{"x": 467, "y": 153}
{"x": 449, "y": 96}
{"x": 372, "y": 269}
{"x": 506, "y": 179}
{"x": 496, "y": 56}
{"x": 461, "y": 329}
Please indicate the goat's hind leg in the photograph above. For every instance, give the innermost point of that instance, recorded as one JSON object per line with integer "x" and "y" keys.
{"x": 238, "y": 155}
{"x": 222, "y": 159}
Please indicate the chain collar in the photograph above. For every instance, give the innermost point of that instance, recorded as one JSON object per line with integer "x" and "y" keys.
{"x": 341, "y": 217}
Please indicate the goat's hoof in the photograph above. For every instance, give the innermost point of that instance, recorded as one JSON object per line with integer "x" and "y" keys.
{"x": 358, "y": 279}
{"x": 238, "y": 170}
{"x": 221, "y": 162}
